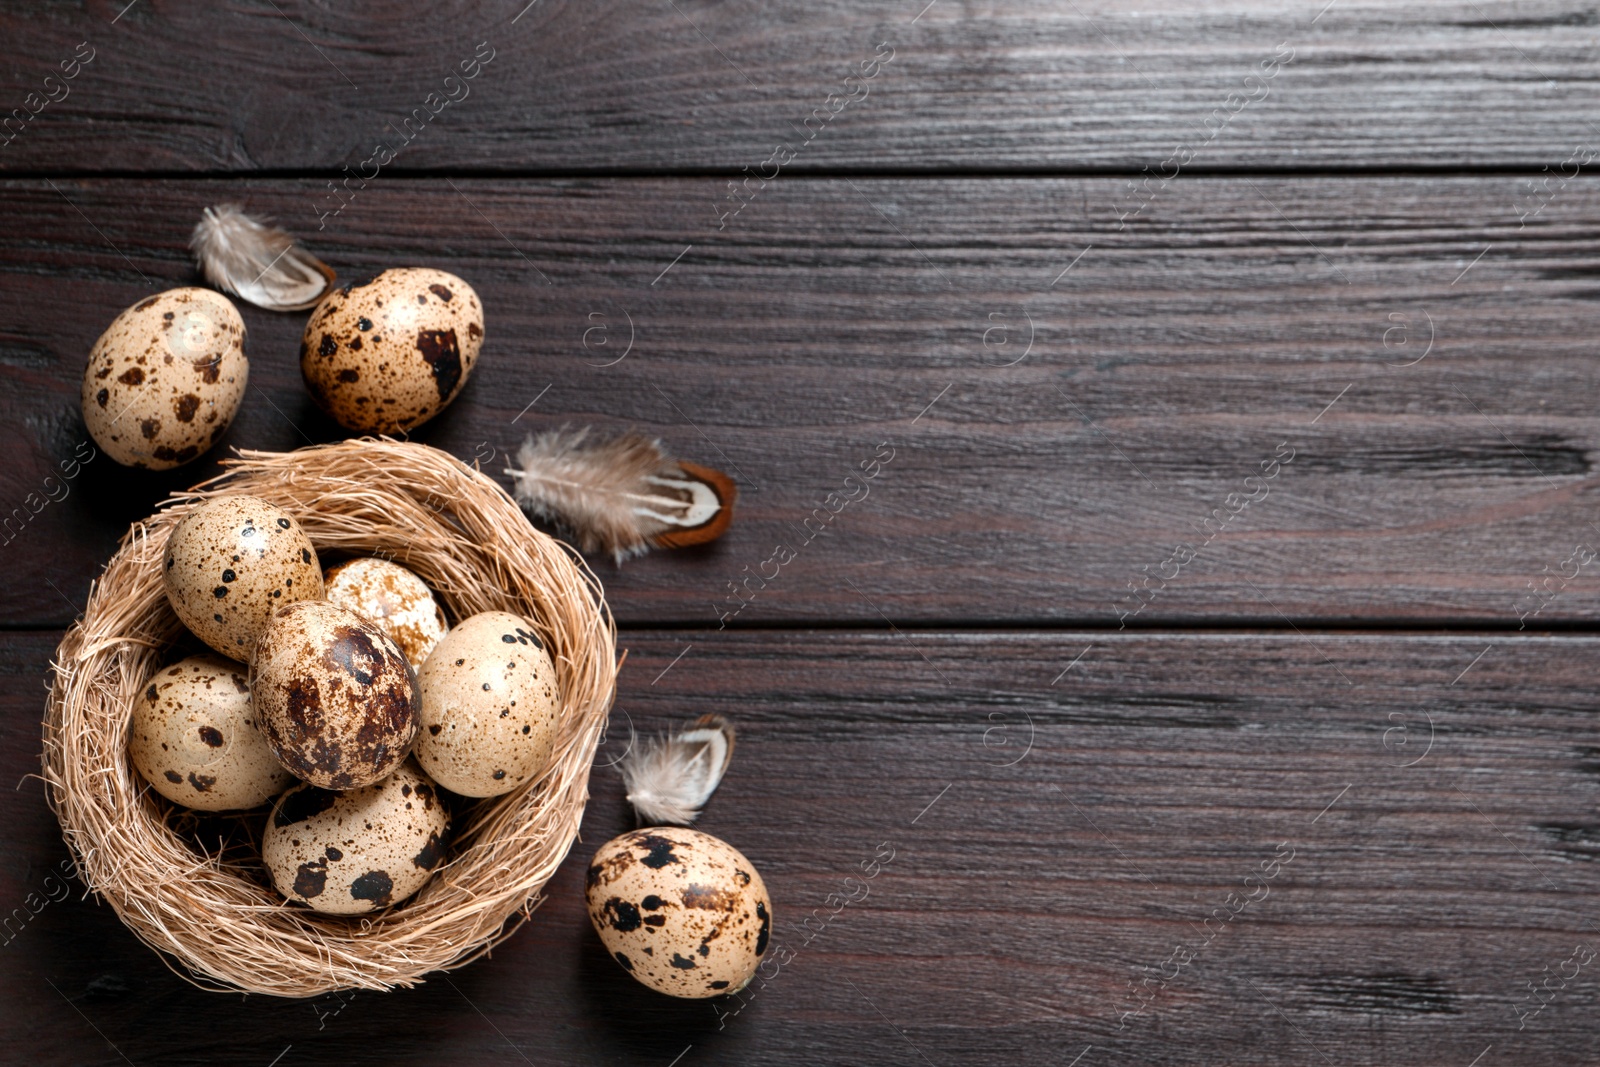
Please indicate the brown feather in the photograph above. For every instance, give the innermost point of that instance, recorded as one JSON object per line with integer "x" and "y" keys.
{"x": 256, "y": 261}
{"x": 620, "y": 496}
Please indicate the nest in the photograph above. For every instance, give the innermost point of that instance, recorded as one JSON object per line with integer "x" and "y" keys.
{"x": 212, "y": 912}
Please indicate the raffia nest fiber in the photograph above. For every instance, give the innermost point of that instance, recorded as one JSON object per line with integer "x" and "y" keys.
{"x": 213, "y": 911}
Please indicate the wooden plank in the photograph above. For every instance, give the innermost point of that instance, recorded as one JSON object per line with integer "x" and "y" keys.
{"x": 1239, "y": 324}
{"x": 1024, "y": 84}
{"x": 1065, "y": 811}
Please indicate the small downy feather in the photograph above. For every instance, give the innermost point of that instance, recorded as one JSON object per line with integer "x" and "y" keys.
{"x": 669, "y": 779}
{"x": 621, "y": 496}
{"x": 256, "y": 261}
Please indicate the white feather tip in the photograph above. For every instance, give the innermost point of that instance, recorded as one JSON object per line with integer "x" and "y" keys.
{"x": 669, "y": 779}
{"x": 256, "y": 261}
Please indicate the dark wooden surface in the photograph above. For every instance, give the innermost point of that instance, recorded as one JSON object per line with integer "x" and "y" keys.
{"x": 1050, "y": 445}
{"x": 692, "y": 84}
{"x": 1383, "y": 265}
{"x": 1055, "y": 838}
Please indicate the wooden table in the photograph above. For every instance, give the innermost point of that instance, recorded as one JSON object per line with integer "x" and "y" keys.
{"x": 1210, "y": 665}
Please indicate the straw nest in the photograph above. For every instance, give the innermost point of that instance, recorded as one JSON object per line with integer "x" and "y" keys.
{"x": 210, "y": 908}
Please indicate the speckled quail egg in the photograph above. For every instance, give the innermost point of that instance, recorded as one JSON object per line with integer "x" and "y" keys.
{"x": 490, "y": 707}
{"x": 355, "y": 852}
{"x": 165, "y": 379}
{"x": 334, "y": 695}
{"x": 230, "y": 563}
{"x": 398, "y": 601}
{"x": 193, "y": 737}
{"x": 683, "y": 912}
{"x": 391, "y": 354}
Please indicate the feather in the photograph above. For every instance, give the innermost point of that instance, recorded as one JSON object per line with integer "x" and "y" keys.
{"x": 256, "y": 261}
{"x": 623, "y": 495}
{"x": 670, "y": 779}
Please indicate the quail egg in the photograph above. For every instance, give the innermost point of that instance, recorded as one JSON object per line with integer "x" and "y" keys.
{"x": 194, "y": 738}
{"x": 398, "y": 601}
{"x": 359, "y": 851}
{"x": 334, "y": 694}
{"x": 391, "y": 354}
{"x": 230, "y": 563}
{"x": 680, "y": 910}
{"x": 490, "y": 709}
{"x": 165, "y": 379}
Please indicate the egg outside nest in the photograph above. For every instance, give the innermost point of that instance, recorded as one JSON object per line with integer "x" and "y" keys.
{"x": 164, "y": 381}
{"x": 390, "y": 354}
{"x": 683, "y": 912}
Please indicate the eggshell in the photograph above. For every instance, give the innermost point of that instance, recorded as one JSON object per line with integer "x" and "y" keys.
{"x": 194, "y": 738}
{"x": 355, "y": 852}
{"x": 165, "y": 379}
{"x": 398, "y": 601}
{"x": 391, "y": 354}
{"x": 490, "y": 709}
{"x": 336, "y": 698}
{"x": 680, "y": 910}
{"x": 230, "y": 563}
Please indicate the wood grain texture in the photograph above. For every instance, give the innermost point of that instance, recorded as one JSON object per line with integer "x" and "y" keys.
{"x": 1055, "y": 837}
{"x": 1059, "y": 406}
{"x": 1025, "y": 84}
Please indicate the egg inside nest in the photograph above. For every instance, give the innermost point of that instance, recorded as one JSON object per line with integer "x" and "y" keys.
{"x": 337, "y": 700}
{"x": 230, "y": 563}
{"x": 193, "y": 737}
{"x": 491, "y": 713}
{"x": 397, "y": 600}
{"x": 357, "y": 851}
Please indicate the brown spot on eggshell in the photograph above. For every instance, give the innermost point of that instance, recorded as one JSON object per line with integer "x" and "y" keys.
{"x": 178, "y": 456}
{"x": 443, "y": 356}
{"x": 186, "y": 406}
{"x": 311, "y": 879}
{"x": 710, "y": 898}
{"x": 375, "y": 886}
